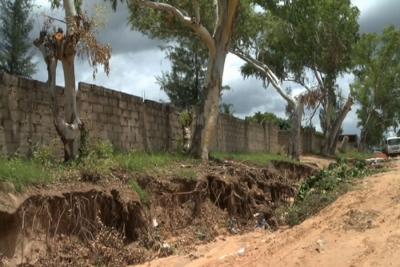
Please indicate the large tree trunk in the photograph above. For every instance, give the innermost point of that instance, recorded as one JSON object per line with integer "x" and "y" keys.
{"x": 337, "y": 124}
{"x": 327, "y": 128}
{"x": 71, "y": 145}
{"x": 206, "y": 119}
{"x": 62, "y": 47}
{"x": 294, "y": 140}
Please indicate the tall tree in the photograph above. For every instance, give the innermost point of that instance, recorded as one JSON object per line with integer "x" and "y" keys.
{"x": 318, "y": 37}
{"x": 259, "y": 47}
{"x": 15, "y": 47}
{"x": 184, "y": 83}
{"x": 212, "y": 22}
{"x": 55, "y": 46}
{"x": 377, "y": 83}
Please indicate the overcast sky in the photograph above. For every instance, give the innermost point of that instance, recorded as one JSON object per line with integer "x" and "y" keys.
{"x": 136, "y": 61}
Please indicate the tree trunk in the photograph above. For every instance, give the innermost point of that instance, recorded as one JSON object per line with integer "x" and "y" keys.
{"x": 62, "y": 47}
{"x": 206, "y": 119}
{"x": 327, "y": 128}
{"x": 71, "y": 145}
{"x": 293, "y": 146}
{"x": 337, "y": 124}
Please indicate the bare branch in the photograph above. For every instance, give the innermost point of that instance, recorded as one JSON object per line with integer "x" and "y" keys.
{"x": 319, "y": 79}
{"x": 59, "y": 20}
{"x": 216, "y": 16}
{"x": 267, "y": 72}
{"x": 69, "y": 8}
{"x": 199, "y": 29}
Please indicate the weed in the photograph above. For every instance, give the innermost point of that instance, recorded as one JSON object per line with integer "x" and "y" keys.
{"x": 322, "y": 188}
{"x": 144, "y": 162}
{"x": 187, "y": 173}
{"x": 45, "y": 154}
{"x": 280, "y": 151}
{"x": 21, "y": 173}
{"x": 144, "y": 196}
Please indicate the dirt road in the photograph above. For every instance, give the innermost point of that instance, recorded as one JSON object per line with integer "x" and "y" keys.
{"x": 362, "y": 228}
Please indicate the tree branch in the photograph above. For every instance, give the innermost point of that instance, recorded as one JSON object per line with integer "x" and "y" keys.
{"x": 267, "y": 72}
{"x": 199, "y": 29}
{"x": 196, "y": 8}
{"x": 317, "y": 76}
{"x": 216, "y": 15}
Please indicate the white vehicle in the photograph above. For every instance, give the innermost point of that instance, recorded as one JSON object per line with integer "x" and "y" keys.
{"x": 392, "y": 145}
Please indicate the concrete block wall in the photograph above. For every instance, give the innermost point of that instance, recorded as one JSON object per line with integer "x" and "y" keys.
{"x": 125, "y": 120}
{"x": 309, "y": 141}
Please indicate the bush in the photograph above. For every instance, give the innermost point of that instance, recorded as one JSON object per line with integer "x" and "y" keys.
{"x": 324, "y": 187}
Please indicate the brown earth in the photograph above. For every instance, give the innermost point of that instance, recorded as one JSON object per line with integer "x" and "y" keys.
{"x": 101, "y": 222}
{"x": 360, "y": 229}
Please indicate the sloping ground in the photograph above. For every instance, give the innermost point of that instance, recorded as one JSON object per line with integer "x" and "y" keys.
{"x": 103, "y": 222}
{"x": 362, "y": 228}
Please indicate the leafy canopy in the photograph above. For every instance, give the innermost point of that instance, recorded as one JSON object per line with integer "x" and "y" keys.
{"x": 376, "y": 86}
{"x": 16, "y": 56}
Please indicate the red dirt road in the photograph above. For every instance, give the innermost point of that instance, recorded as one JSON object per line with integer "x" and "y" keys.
{"x": 362, "y": 228}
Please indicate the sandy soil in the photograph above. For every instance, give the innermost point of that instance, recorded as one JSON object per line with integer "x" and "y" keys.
{"x": 360, "y": 229}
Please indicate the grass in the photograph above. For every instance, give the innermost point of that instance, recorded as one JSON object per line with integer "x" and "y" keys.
{"x": 153, "y": 162}
{"x": 258, "y": 157}
{"x": 144, "y": 196}
{"x": 21, "y": 173}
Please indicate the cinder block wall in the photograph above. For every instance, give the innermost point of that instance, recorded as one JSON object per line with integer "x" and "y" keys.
{"x": 126, "y": 120}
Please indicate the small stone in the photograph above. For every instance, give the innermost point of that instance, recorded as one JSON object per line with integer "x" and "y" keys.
{"x": 320, "y": 242}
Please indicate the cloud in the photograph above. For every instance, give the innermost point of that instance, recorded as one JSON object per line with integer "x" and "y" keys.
{"x": 378, "y": 14}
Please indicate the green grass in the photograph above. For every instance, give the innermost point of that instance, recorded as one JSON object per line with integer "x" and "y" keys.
{"x": 144, "y": 196}
{"x": 187, "y": 173}
{"x": 354, "y": 154}
{"x": 151, "y": 162}
{"x": 258, "y": 157}
{"x": 21, "y": 173}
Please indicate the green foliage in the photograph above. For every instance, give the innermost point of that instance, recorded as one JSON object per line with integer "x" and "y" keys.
{"x": 187, "y": 173}
{"x": 184, "y": 83}
{"x": 185, "y": 117}
{"x": 147, "y": 162}
{"x": 270, "y": 118}
{"x": 21, "y": 173}
{"x": 16, "y": 55}
{"x": 144, "y": 196}
{"x": 98, "y": 160}
{"x": 322, "y": 188}
{"x": 376, "y": 85}
{"x": 225, "y": 108}
{"x": 45, "y": 154}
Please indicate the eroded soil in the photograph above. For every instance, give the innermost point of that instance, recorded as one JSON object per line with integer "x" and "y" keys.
{"x": 92, "y": 222}
{"x": 362, "y": 228}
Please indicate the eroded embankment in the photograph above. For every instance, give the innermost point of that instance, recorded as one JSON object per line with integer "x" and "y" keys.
{"x": 109, "y": 226}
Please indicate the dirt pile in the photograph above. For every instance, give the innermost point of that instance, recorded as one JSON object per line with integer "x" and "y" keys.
{"x": 108, "y": 225}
